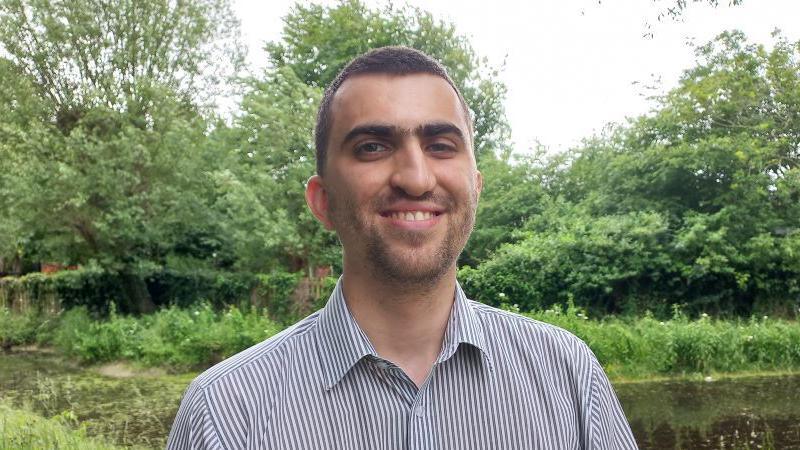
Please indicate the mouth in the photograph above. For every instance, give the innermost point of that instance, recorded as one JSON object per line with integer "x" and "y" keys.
{"x": 411, "y": 216}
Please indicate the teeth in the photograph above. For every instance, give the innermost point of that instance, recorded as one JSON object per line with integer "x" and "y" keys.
{"x": 411, "y": 216}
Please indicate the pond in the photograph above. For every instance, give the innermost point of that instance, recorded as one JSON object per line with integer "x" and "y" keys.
{"x": 127, "y": 410}
{"x": 727, "y": 414}
{"x": 740, "y": 413}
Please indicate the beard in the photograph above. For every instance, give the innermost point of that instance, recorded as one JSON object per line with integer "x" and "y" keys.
{"x": 412, "y": 263}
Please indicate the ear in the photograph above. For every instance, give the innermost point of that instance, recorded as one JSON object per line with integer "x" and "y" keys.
{"x": 317, "y": 200}
{"x": 478, "y": 184}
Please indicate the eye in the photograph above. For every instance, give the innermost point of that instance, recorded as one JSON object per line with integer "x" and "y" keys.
{"x": 441, "y": 148}
{"x": 370, "y": 148}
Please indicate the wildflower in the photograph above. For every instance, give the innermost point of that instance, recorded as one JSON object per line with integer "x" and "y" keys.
{"x": 765, "y": 317}
{"x": 750, "y": 337}
{"x": 704, "y": 316}
{"x": 501, "y": 295}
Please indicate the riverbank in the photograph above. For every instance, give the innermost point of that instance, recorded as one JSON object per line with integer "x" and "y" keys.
{"x": 127, "y": 404}
{"x": 183, "y": 340}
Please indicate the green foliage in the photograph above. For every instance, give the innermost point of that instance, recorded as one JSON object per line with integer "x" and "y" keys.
{"x": 513, "y": 192}
{"x": 16, "y": 329}
{"x": 103, "y": 147}
{"x": 88, "y": 53}
{"x": 260, "y": 198}
{"x": 602, "y": 263}
{"x": 190, "y": 338}
{"x": 22, "y": 429}
{"x": 98, "y": 291}
{"x": 696, "y": 204}
{"x": 172, "y": 337}
{"x": 646, "y": 347}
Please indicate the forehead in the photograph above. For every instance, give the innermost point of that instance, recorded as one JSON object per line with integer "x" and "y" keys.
{"x": 406, "y": 101}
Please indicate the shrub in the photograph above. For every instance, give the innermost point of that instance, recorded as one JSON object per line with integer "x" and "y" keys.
{"x": 21, "y": 429}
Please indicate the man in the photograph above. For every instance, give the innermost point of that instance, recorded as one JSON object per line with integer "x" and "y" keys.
{"x": 399, "y": 358}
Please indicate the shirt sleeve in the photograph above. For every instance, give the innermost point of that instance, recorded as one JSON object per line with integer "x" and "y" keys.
{"x": 608, "y": 427}
{"x": 193, "y": 427}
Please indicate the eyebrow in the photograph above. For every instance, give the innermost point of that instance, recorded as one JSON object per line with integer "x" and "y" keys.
{"x": 382, "y": 130}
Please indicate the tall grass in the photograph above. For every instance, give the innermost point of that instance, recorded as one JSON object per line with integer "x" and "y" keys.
{"x": 645, "y": 347}
{"x": 193, "y": 338}
{"x": 179, "y": 339}
{"x": 23, "y": 430}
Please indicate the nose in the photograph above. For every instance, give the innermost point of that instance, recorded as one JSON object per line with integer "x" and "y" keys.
{"x": 412, "y": 171}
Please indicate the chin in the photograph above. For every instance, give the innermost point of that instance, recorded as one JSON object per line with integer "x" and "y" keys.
{"x": 412, "y": 266}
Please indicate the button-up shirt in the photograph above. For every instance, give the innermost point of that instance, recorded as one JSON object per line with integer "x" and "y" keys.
{"x": 501, "y": 381}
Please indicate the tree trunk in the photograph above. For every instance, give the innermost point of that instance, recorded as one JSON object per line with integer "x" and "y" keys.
{"x": 138, "y": 300}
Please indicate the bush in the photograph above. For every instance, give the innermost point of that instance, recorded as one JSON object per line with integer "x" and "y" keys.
{"x": 177, "y": 338}
{"x": 95, "y": 290}
{"x": 597, "y": 262}
{"x": 21, "y": 429}
{"x": 630, "y": 347}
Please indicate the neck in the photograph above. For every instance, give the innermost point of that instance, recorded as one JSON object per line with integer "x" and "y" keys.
{"x": 406, "y": 324}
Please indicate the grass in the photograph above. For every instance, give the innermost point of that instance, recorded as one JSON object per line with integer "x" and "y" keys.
{"x": 177, "y": 339}
{"x": 646, "y": 348}
{"x": 21, "y": 429}
{"x": 629, "y": 348}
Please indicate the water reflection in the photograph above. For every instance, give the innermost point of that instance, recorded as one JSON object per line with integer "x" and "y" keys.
{"x": 727, "y": 414}
{"x": 731, "y": 414}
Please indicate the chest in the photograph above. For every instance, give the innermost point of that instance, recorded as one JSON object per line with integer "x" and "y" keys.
{"x": 461, "y": 405}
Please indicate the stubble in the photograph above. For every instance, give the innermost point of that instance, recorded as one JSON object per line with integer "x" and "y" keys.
{"x": 407, "y": 266}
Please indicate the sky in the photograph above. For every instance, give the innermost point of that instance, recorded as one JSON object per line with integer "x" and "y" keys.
{"x": 571, "y": 66}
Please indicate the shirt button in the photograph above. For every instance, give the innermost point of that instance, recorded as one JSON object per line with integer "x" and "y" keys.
{"x": 419, "y": 411}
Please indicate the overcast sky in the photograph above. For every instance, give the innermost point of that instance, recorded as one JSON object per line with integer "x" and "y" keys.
{"x": 571, "y": 66}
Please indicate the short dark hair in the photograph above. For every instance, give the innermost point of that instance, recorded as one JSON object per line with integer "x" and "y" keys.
{"x": 394, "y": 60}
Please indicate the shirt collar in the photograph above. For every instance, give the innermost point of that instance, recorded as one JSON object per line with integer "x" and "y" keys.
{"x": 342, "y": 343}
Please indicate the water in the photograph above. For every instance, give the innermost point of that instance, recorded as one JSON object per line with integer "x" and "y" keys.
{"x": 128, "y": 411}
{"x": 740, "y": 413}
{"x": 731, "y": 414}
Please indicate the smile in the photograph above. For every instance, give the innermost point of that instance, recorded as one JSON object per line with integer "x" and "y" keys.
{"x": 412, "y": 216}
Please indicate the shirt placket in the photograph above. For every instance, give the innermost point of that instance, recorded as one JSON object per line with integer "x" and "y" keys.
{"x": 417, "y": 400}
{"x": 420, "y": 431}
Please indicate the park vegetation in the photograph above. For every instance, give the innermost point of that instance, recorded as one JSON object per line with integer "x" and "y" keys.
{"x": 115, "y": 161}
{"x": 669, "y": 243}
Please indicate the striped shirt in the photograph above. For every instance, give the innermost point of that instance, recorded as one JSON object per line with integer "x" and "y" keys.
{"x": 501, "y": 381}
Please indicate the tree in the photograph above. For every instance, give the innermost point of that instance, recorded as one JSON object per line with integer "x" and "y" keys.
{"x": 513, "y": 192}
{"x": 104, "y": 145}
{"x": 260, "y": 194}
{"x": 712, "y": 173}
{"x": 113, "y": 54}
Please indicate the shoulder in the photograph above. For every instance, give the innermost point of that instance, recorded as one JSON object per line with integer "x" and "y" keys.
{"x": 516, "y": 327}
{"x": 268, "y": 356}
{"x": 524, "y": 340}
{"x": 225, "y": 398}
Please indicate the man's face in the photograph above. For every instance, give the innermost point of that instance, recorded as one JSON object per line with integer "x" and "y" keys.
{"x": 400, "y": 185}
